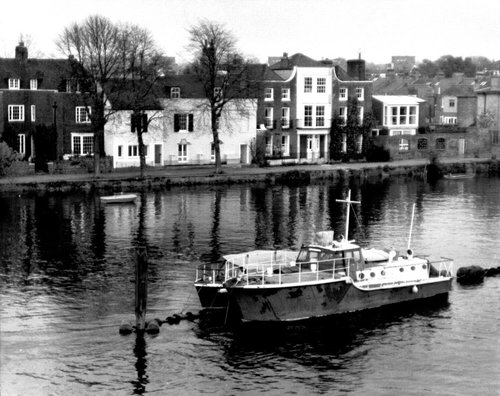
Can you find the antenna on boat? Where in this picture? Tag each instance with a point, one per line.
(348, 202)
(411, 226)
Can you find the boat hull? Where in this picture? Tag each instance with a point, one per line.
(117, 199)
(301, 302)
(212, 296)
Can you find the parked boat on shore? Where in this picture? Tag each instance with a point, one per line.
(325, 278)
(119, 198)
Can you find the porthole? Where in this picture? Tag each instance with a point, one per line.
(401, 269)
(382, 273)
(424, 266)
(413, 268)
(372, 274)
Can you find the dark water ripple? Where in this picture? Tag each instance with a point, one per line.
(67, 267)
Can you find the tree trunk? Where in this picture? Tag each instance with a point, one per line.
(97, 152)
(215, 133)
(142, 157)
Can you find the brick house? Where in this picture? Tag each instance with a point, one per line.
(41, 111)
(488, 110)
(319, 92)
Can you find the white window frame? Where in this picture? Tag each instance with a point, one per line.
(404, 144)
(120, 151)
(82, 114)
(14, 83)
(319, 117)
(16, 113)
(321, 84)
(396, 117)
(360, 93)
(182, 152)
(285, 145)
(21, 143)
(133, 150)
(269, 145)
(360, 114)
(343, 114)
(308, 84)
(343, 92)
(449, 120)
(268, 94)
(308, 116)
(269, 117)
(285, 117)
(81, 137)
(33, 113)
(34, 84)
(359, 143)
(285, 93)
(175, 93)
(451, 102)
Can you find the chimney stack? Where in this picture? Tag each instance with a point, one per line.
(21, 52)
(356, 69)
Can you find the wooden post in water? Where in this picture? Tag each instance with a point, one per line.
(141, 287)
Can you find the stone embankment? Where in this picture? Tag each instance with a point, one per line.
(158, 179)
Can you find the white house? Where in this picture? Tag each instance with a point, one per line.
(400, 114)
(314, 110)
(181, 133)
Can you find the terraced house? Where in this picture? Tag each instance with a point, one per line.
(41, 110)
(297, 121)
(179, 131)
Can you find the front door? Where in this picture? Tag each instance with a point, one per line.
(461, 147)
(243, 154)
(157, 154)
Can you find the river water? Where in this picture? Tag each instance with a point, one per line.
(67, 270)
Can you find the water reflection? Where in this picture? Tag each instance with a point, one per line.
(322, 350)
(141, 365)
(68, 259)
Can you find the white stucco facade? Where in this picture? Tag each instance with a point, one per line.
(314, 111)
(181, 134)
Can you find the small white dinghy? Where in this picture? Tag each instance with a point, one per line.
(119, 198)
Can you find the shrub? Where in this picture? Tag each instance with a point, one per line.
(7, 157)
(378, 154)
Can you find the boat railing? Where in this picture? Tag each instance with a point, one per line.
(291, 272)
(442, 267)
(210, 274)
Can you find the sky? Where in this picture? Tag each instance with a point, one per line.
(378, 29)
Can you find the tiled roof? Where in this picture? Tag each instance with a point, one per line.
(390, 86)
(299, 60)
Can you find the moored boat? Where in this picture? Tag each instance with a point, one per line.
(210, 278)
(119, 198)
(333, 277)
(458, 176)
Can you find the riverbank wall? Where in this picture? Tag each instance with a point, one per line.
(155, 179)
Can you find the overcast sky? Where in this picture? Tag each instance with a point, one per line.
(316, 28)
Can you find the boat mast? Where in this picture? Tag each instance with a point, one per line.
(348, 202)
(411, 226)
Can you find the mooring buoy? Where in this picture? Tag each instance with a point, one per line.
(470, 275)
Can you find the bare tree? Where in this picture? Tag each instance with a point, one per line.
(95, 47)
(142, 65)
(117, 66)
(221, 70)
